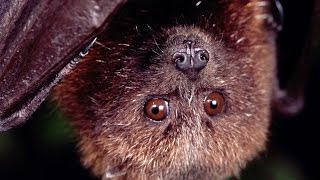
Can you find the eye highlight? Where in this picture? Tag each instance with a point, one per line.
(213, 103)
(156, 109)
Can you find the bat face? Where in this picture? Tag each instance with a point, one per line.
(169, 98)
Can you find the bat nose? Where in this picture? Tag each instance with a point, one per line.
(190, 59)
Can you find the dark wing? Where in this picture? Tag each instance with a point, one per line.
(37, 41)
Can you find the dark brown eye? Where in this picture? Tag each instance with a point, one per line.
(156, 109)
(213, 103)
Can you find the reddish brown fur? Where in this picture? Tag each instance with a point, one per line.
(105, 95)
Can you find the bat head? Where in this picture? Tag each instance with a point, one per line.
(180, 102)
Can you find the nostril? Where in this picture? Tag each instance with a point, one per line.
(203, 55)
(181, 60)
(201, 59)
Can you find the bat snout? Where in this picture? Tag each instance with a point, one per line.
(190, 59)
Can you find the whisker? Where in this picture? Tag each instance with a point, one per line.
(102, 45)
(156, 52)
(157, 44)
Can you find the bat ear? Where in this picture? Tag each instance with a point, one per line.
(276, 20)
(272, 14)
(295, 59)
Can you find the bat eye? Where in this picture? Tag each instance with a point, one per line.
(213, 103)
(156, 109)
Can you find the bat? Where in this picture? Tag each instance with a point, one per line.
(181, 95)
(126, 166)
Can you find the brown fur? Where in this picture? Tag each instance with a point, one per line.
(105, 95)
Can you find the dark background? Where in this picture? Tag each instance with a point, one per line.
(44, 147)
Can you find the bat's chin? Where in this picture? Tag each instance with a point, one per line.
(185, 171)
(179, 159)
